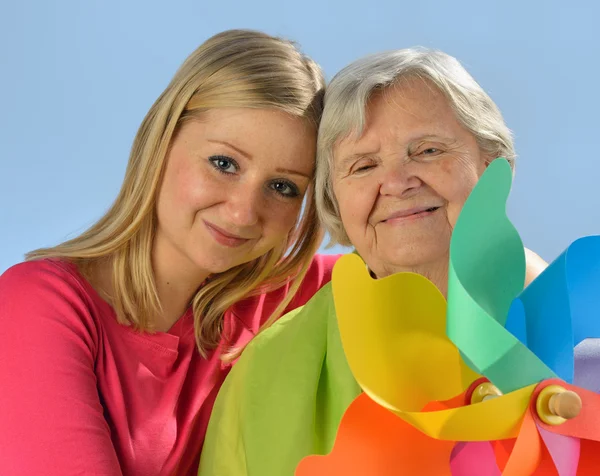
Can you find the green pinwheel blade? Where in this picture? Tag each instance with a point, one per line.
(486, 272)
(285, 397)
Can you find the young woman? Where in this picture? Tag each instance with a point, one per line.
(111, 344)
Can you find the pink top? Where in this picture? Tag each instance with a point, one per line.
(82, 394)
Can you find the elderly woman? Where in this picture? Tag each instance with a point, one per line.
(404, 138)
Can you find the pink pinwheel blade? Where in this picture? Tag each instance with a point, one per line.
(473, 459)
(564, 451)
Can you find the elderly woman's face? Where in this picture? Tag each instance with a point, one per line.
(401, 185)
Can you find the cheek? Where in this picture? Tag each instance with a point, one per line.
(168, 197)
(184, 192)
(282, 217)
(176, 183)
(195, 188)
(456, 180)
(355, 202)
(193, 196)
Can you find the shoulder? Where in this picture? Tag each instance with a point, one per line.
(299, 319)
(45, 277)
(318, 274)
(323, 264)
(534, 266)
(295, 337)
(46, 295)
(37, 270)
(252, 312)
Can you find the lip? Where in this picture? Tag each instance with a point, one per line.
(224, 238)
(411, 214)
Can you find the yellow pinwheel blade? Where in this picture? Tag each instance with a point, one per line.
(393, 332)
(495, 419)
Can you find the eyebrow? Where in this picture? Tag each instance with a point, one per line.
(351, 158)
(432, 137)
(237, 149)
(346, 161)
(293, 172)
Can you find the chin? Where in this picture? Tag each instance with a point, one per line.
(417, 257)
(214, 266)
(217, 266)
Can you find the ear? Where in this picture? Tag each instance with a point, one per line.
(487, 160)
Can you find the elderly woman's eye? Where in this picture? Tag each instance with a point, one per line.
(361, 168)
(428, 153)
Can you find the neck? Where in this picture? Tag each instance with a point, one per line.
(175, 285)
(177, 279)
(436, 272)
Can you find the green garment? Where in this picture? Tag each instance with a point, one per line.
(284, 399)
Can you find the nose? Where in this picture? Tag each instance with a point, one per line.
(243, 206)
(399, 179)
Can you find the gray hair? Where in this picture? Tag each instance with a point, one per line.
(347, 96)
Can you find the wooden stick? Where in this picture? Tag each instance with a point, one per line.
(565, 404)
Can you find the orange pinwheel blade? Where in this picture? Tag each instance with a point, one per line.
(372, 440)
(526, 453)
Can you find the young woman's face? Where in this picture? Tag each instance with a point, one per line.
(232, 187)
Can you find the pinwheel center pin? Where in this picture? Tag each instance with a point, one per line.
(484, 391)
(555, 405)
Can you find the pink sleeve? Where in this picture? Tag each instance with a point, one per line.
(51, 418)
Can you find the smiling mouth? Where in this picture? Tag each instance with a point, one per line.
(432, 209)
(224, 238)
(411, 215)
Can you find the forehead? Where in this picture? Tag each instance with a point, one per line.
(237, 120)
(402, 112)
(269, 137)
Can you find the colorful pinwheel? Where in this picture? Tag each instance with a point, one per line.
(481, 384)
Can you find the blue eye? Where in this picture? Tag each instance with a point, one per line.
(224, 164)
(285, 188)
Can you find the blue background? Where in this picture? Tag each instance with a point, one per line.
(78, 77)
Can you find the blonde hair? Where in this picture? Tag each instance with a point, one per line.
(346, 101)
(236, 68)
